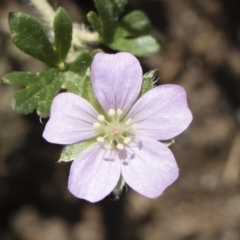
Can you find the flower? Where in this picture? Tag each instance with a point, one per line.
(127, 134)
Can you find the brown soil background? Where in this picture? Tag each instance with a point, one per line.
(200, 51)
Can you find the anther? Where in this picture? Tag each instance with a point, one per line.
(101, 118)
(100, 139)
(108, 147)
(134, 126)
(120, 146)
(129, 121)
(119, 112)
(111, 112)
(96, 125)
(127, 140)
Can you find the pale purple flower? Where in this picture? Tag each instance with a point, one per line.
(127, 134)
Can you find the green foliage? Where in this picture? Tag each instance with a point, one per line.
(131, 34)
(72, 82)
(106, 22)
(82, 86)
(148, 82)
(63, 33)
(70, 152)
(39, 91)
(95, 22)
(78, 77)
(136, 23)
(139, 46)
(88, 93)
(28, 36)
(81, 64)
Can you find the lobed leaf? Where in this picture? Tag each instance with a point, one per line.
(28, 36)
(72, 82)
(77, 78)
(40, 89)
(82, 63)
(21, 79)
(82, 86)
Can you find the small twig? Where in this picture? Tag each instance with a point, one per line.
(81, 36)
(45, 10)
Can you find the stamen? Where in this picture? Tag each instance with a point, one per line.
(113, 131)
(134, 126)
(96, 125)
(120, 146)
(101, 118)
(100, 139)
(119, 112)
(108, 147)
(111, 112)
(127, 140)
(128, 122)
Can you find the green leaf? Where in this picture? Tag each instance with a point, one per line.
(72, 82)
(82, 86)
(109, 11)
(28, 35)
(148, 82)
(70, 152)
(81, 64)
(63, 33)
(78, 71)
(134, 24)
(21, 79)
(130, 34)
(39, 91)
(77, 78)
(95, 22)
(140, 46)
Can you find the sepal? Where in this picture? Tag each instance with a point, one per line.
(148, 82)
(70, 152)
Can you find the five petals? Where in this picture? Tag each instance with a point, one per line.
(146, 165)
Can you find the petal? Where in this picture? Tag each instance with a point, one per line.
(71, 120)
(162, 113)
(150, 167)
(94, 173)
(116, 79)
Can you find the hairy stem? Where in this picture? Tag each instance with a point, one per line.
(45, 10)
(80, 37)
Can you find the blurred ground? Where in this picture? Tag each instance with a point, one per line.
(200, 51)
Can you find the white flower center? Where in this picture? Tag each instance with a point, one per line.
(115, 132)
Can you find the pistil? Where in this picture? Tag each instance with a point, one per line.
(114, 131)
